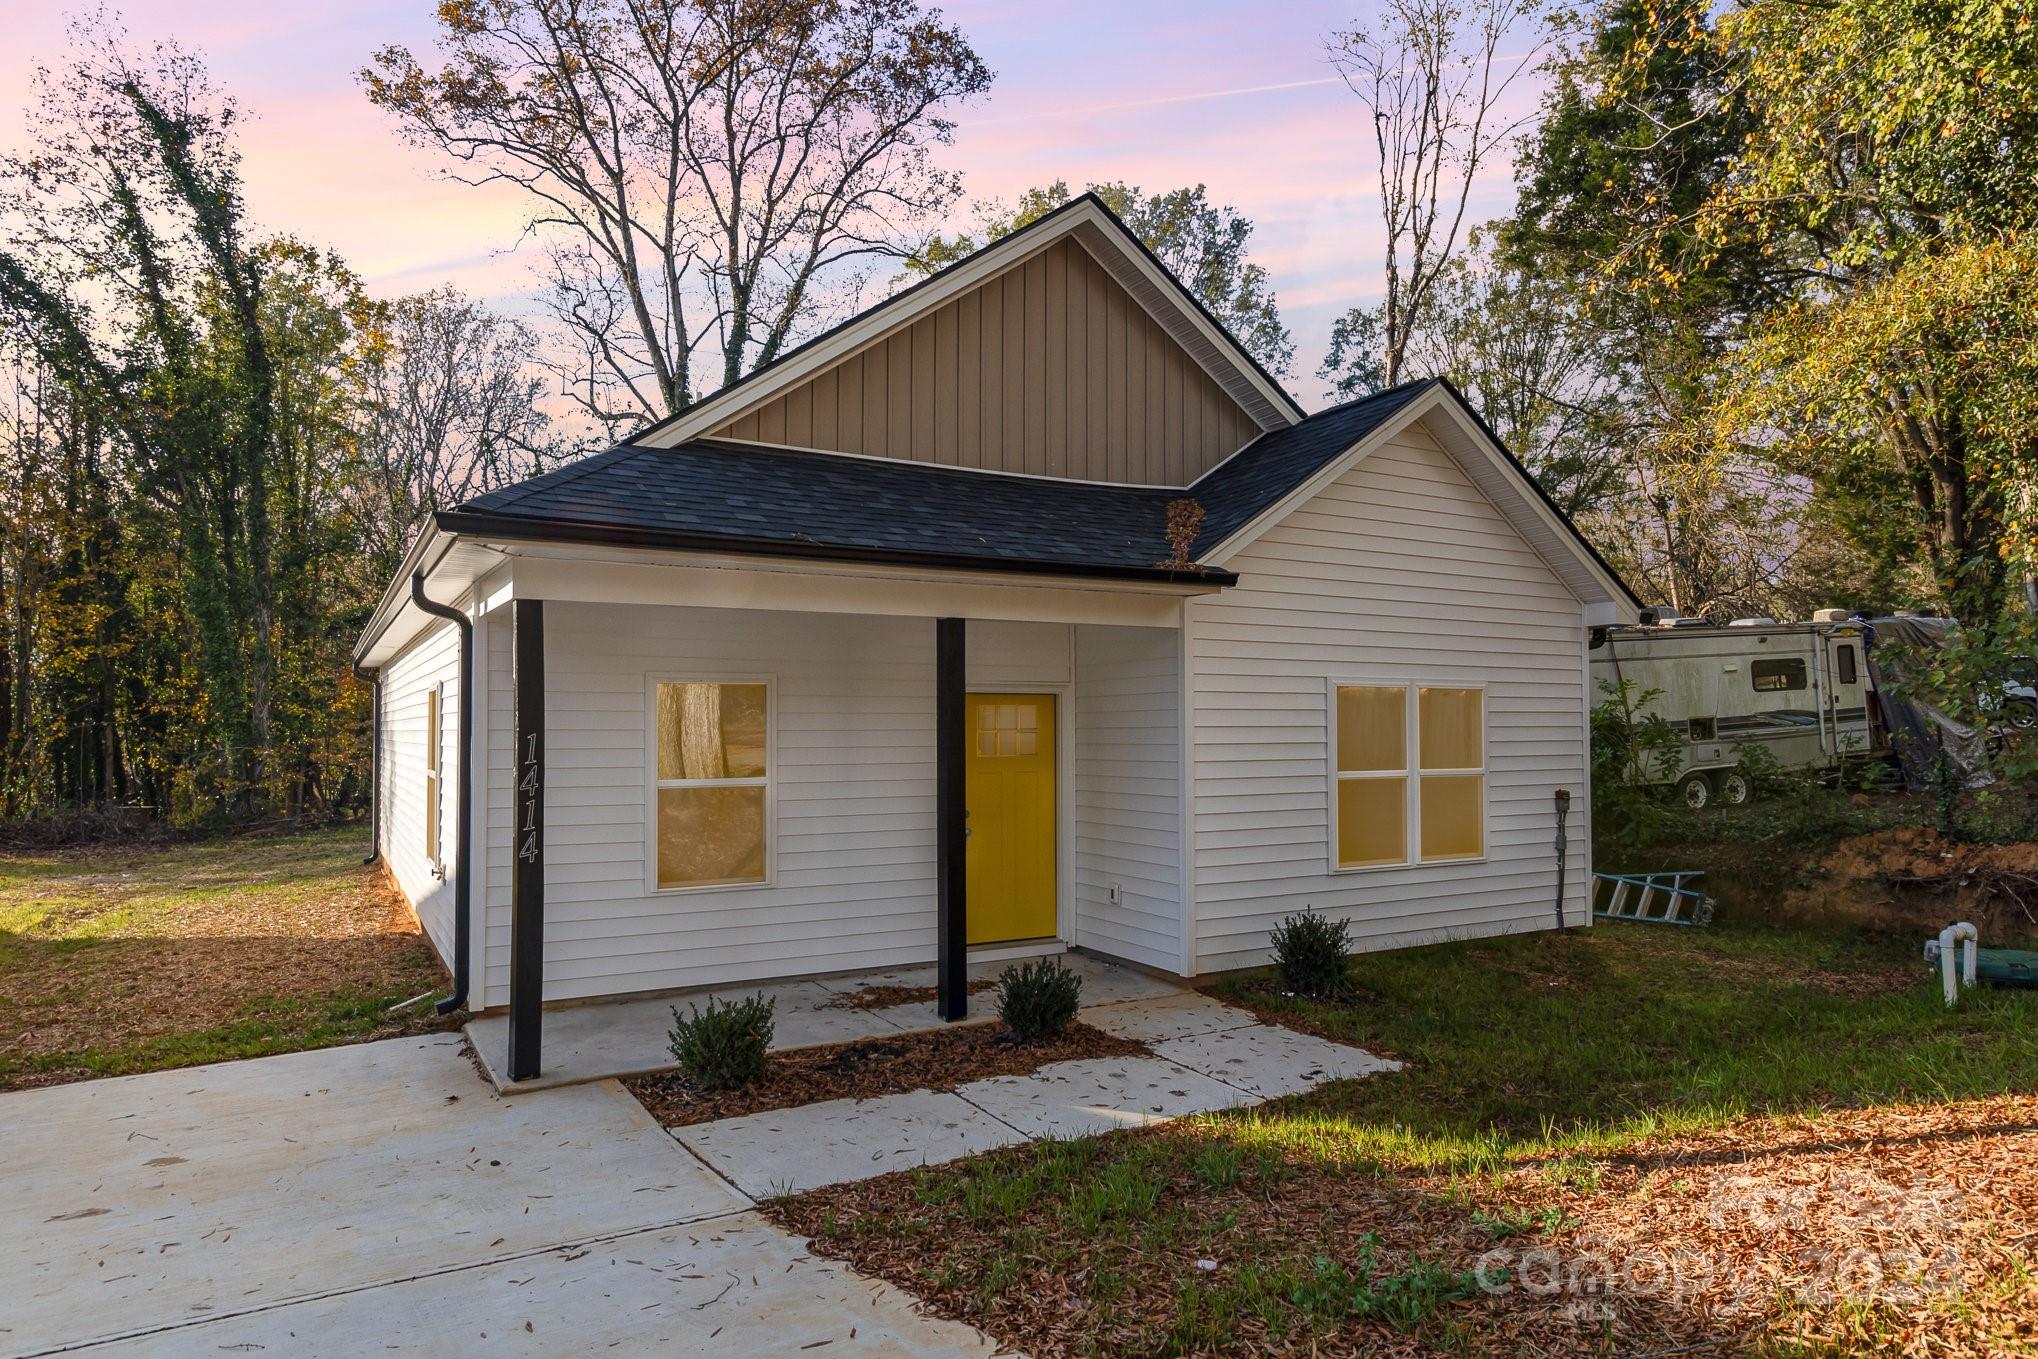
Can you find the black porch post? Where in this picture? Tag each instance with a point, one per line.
(527, 871)
(951, 820)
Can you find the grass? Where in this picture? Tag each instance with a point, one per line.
(121, 960)
(1548, 1043)
(1617, 1092)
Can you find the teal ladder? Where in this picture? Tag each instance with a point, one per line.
(1656, 898)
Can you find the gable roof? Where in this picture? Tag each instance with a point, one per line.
(1124, 256)
(717, 496)
(740, 499)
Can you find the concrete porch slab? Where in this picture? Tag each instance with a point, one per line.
(628, 1038)
(1074, 1099)
(788, 1150)
(1267, 1061)
(735, 1286)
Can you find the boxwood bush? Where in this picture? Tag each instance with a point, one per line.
(1038, 999)
(723, 1046)
(1313, 953)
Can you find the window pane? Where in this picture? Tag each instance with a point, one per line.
(1452, 807)
(711, 731)
(1768, 676)
(710, 835)
(1371, 729)
(1372, 821)
(1451, 727)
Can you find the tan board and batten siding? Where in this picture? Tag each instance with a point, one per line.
(432, 659)
(1400, 570)
(1049, 368)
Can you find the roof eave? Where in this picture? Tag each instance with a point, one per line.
(482, 524)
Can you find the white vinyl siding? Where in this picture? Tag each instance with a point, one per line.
(1398, 572)
(431, 662)
(853, 752)
(1128, 819)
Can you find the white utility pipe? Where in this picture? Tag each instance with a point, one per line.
(1942, 948)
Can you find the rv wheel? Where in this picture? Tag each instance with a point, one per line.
(1694, 790)
(1733, 789)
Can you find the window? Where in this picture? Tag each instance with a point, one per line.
(435, 744)
(1848, 674)
(1771, 676)
(713, 783)
(1411, 767)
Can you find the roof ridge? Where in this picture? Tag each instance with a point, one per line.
(1411, 385)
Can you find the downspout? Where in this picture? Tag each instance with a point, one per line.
(374, 681)
(464, 836)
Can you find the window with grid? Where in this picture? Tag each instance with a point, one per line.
(1411, 774)
(435, 706)
(713, 786)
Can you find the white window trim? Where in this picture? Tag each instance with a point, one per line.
(1411, 770)
(652, 783)
(435, 778)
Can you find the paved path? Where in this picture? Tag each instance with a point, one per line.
(1206, 1056)
(381, 1199)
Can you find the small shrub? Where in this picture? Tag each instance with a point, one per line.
(723, 1046)
(1314, 955)
(1038, 999)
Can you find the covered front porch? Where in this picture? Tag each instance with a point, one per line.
(601, 1039)
(708, 775)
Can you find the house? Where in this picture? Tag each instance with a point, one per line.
(885, 655)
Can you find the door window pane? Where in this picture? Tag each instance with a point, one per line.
(711, 731)
(1453, 814)
(1371, 728)
(710, 836)
(1372, 821)
(1451, 729)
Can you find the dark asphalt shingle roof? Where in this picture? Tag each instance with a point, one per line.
(711, 495)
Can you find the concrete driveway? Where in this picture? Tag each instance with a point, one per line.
(381, 1199)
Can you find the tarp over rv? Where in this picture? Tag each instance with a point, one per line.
(1918, 732)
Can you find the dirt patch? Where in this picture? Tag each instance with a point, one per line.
(940, 1059)
(105, 953)
(884, 997)
(1914, 878)
(1901, 1230)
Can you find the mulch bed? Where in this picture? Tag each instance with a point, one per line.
(1901, 1230)
(883, 997)
(940, 1059)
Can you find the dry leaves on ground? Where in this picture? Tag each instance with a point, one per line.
(939, 1059)
(1901, 1230)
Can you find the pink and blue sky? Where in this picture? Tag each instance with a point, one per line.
(1235, 95)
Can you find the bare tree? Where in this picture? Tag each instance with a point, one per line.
(1436, 79)
(704, 173)
(449, 397)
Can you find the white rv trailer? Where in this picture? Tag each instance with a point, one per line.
(1800, 690)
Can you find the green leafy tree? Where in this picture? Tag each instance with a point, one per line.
(1201, 243)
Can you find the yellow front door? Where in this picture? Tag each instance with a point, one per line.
(1011, 817)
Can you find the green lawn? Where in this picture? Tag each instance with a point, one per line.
(1621, 1090)
(126, 959)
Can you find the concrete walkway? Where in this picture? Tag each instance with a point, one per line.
(629, 1037)
(381, 1199)
(1207, 1056)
